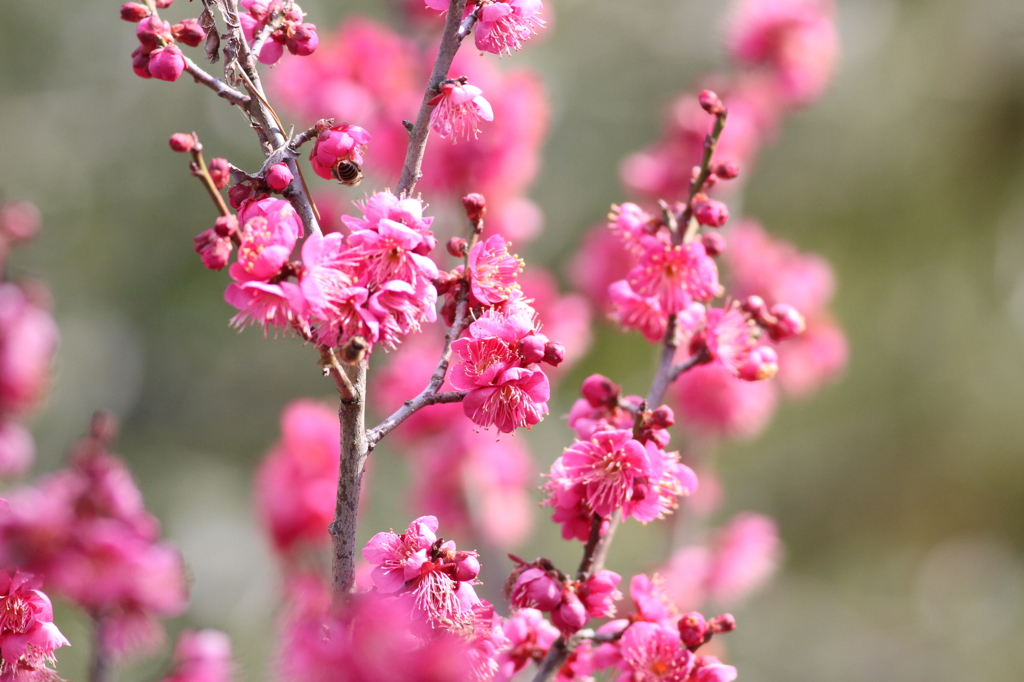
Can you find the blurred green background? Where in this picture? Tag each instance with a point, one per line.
(899, 490)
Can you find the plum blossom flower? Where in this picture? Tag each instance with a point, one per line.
(458, 110)
(337, 145)
(653, 653)
(530, 636)
(493, 271)
(504, 26)
(202, 656)
(676, 275)
(28, 635)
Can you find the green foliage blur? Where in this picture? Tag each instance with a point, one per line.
(899, 490)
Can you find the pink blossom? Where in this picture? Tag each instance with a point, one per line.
(632, 225)
(745, 555)
(296, 483)
(397, 558)
(710, 669)
(166, 63)
(534, 586)
(730, 336)
(504, 25)
(713, 402)
(28, 340)
(518, 400)
(17, 449)
(270, 229)
(599, 595)
(202, 656)
(795, 39)
(652, 602)
(337, 145)
(458, 110)
(530, 636)
(28, 636)
(643, 313)
(300, 38)
(653, 653)
(615, 470)
(676, 275)
(493, 270)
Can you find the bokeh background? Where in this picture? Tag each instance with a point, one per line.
(899, 490)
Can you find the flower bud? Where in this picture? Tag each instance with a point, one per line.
(140, 62)
(166, 63)
(182, 142)
(710, 103)
(304, 41)
(571, 614)
(531, 348)
(710, 212)
(467, 566)
(220, 172)
(163, 4)
(714, 243)
(153, 33)
(134, 12)
(214, 251)
(755, 307)
(692, 629)
(788, 322)
(761, 364)
(600, 391)
(662, 418)
(535, 588)
(475, 205)
(189, 32)
(723, 623)
(727, 170)
(278, 177)
(20, 221)
(239, 194)
(226, 226)
(457, 247)
(554, 353)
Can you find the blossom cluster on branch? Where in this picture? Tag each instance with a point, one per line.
(477, 343)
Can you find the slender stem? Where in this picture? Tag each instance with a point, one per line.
(200, 170)
(99, 668)
(710, 144)
(455, 30)
(354, 449)
(662, 378)
(698, 359)
(215, 84)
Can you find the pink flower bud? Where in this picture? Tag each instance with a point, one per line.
(531, 348)
(761, 364)
(600, 391)
(278, 177)
(17, 449)
(535, 588)
(304, 41)
(467, 567)
(140, 62)
(723, 623)
(662, 418)
(710, 103)
(220, 172)
(554, 353)
(475, 205)
(134, 12)
(226, 226)
(189, 32)
(755, 307)
(727, 170)
(153, 33)
(163, 4)
(692, 629)
(213, 250)
(182, 142)
(166, 63)
(788, 322)
(457, 247)
(20, 220)
(710, 212)
(571, 614)
(714, 243)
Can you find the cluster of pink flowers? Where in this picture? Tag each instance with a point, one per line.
(85, 530)
(28, 341)
(502, 25)
(28, 636)
(376, 283)
(284, 20)
(613, 469)
(370, 75)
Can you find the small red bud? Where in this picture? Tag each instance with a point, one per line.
(189, 32)
(755, 307)
(226, 226)
(134, 12)
(662, 418)
(457, 247)
(711, 213)
(727, 170)
(532, 348)
(711, 181)
(476, 206)
(182, 142)
(220, 171)
(788, 322)
(710, 103)
(600, 390)
(163, 4)
(714, 243)
(238, 194)
(692, 628)
(278, 177)
(554, 353)
(722, 623)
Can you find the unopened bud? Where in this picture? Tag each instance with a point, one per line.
(755, 307)
(226, 226)
(714, 243)
(662, 418)
(532, 348)
(600, 391)
(554, 353)
(20, 221)
(571, 614)
(710, 103)
(475, 205)
(727, 170)
(710, 212)
(182, 142)
(692, 629)
(723, 623)
(761, 364)
(134, 12)
(457, 247)
(278, 177)
(467, 566)
(220, 172)
(788, 322)
(162, 4)
(189, 32)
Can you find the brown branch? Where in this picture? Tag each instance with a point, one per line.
(354, 450)
(100, 666)
(337, 371)
(710, 144)
(700, 358)
(200, 170)
(455, 31)
(215, 84)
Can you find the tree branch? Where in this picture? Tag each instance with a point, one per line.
(354, 449)
(217, 85)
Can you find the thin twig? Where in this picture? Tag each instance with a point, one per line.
(333, 367)
(200, 170)
(700, 358)
(455, 31)
(215, 84)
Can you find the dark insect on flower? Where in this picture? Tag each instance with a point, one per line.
(348, 173)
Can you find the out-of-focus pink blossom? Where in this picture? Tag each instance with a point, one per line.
(202, 656)
(28, 636)
(745, 555)
(710, 669)
(28, 340)
(712, 401)
(530, 636)
(796, 40)
(296, 483)
(597, 264)
(17, 449)
(20, 221)
(817, 355)
(458, 110)
(642, 313)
